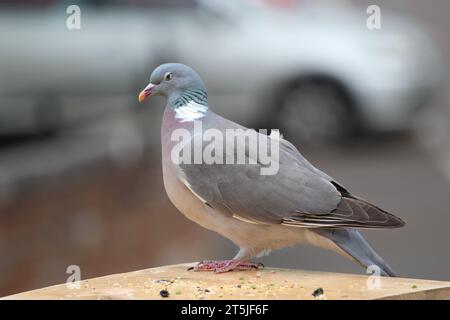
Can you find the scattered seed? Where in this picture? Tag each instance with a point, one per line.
(414, 286)
(178, 292)
(164, 293)
(162, 281)
(318, 292)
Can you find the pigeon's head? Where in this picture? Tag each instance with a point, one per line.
(171, 80)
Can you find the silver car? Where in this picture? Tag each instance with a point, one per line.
(316, 71)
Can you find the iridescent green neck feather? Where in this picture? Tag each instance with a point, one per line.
(191, 105)
(198, 96)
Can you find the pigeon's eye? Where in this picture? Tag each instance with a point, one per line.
(168, 76)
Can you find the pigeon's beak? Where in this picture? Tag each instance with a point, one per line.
(146, 92)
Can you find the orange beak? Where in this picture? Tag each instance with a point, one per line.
(146, 92)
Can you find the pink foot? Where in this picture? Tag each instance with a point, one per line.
(220, 266)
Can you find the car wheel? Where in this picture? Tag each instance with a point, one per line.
(48, 116)
(316, 111)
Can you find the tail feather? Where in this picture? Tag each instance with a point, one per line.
(352, 243)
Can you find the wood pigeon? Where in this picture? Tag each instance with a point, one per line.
(258, 212)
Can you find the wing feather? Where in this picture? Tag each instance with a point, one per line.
(297, 195)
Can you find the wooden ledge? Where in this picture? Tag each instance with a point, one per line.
(266, 283)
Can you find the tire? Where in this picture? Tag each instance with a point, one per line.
(48, 116)
(316, 111)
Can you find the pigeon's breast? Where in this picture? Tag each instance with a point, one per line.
(177, 192)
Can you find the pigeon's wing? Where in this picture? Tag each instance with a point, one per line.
(297, 195)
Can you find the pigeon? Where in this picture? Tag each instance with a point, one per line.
(296, 204)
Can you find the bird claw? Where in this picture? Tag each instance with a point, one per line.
(220, 266)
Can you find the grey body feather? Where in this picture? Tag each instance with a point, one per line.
(258, 212)
(353, 243)
(298, 194)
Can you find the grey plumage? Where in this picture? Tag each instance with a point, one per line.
(258, 212)
(353, 244)
(298, 195)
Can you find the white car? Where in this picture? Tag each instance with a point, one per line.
(316, 71)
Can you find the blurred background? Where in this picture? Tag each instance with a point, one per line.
(80, 168)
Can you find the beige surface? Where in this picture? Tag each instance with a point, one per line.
(266, 283)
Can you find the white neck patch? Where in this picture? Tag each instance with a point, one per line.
(190, 111)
